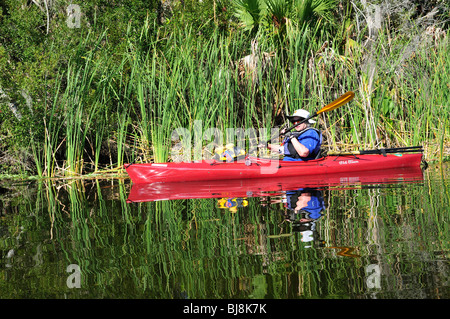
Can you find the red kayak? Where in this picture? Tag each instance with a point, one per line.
(256, 168)
(270, 186)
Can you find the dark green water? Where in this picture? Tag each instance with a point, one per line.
(83, 240)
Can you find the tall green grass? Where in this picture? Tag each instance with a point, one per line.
(115, 107)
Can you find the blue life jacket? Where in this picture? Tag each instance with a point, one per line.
(311, 138)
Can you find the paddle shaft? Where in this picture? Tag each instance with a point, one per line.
(343, 99)
(290, 128)
(411, 149)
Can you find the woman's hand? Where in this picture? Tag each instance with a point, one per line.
(263, 145)
(292, 134)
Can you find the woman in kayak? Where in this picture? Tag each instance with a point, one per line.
(303, 144)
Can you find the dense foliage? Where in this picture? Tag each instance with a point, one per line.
(80, 97)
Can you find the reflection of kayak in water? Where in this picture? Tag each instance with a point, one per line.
(268, 186)
(253, 168)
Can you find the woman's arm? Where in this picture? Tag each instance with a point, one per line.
(301, 149)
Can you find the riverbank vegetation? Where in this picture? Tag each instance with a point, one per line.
(88, 88)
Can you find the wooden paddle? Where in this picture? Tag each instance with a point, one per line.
(344, 99)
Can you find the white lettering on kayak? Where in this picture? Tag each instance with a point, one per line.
(162, 165)
(348, 162)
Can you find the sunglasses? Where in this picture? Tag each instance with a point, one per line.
(297, 122)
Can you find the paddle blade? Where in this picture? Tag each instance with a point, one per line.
(344, 99)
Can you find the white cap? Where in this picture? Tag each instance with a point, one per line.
(300, 113)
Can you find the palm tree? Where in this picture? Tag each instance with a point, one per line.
(256, 13)
(276, 18)
(275, 15)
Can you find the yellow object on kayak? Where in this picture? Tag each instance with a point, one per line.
(228, 153)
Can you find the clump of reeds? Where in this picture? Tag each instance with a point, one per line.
(109, 108)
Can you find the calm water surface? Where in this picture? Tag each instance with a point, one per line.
(76, 239)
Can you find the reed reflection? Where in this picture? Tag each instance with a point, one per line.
(225, 240)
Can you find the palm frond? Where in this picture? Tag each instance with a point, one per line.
(250, 12)
(279, 10)
(324, 8)
(307, 10)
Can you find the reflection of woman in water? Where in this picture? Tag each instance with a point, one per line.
(304, 207)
